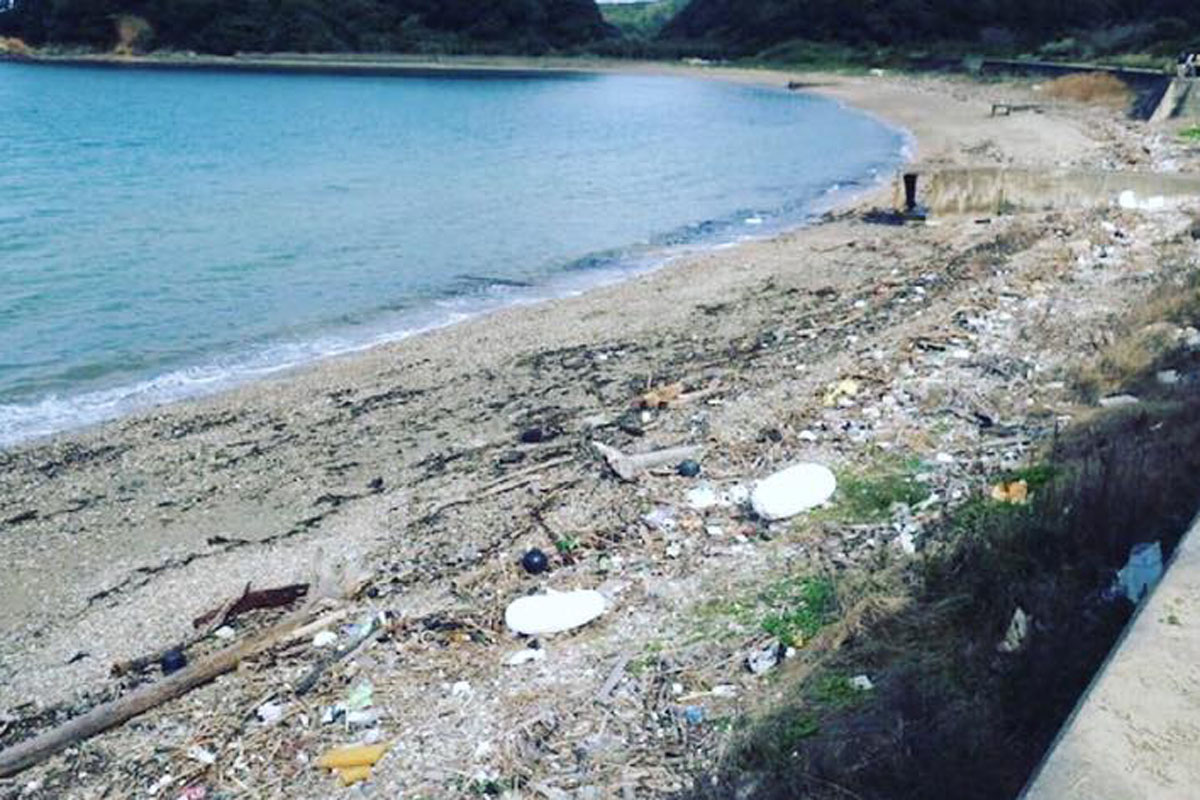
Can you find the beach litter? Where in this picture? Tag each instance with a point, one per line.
(1018, 632)
(629, 467)
(861, 683)
(662, 518)
(766, 658)
(325, 639)
(702, 498)
(352, 763)
(535, 562)
(526, 656)
(688, 468)
(554, 612)
(172, 661)
(793, 491)
(840, 391)
(1013, 492)
(1142, 572)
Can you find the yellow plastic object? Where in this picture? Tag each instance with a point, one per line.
(352, 775)
(843, 388)
(1016, 492)
(359, 755)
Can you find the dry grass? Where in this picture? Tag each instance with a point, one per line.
(1093, 88)
(133, 34)
(1145, 342)
(13, 46)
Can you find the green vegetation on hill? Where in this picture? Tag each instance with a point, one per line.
(228, 26)
(642, 20)
(1064, 28)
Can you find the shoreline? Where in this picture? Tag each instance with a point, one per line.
(99, 407)
(365, 459)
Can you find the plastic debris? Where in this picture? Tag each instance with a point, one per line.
(861, 683)
(662, 519)
(1168, 377)
(661, 396)
(173, 661)
(766, 658)
(794, 490)
(362, 719)
(526, 656)
(1142, 572)
(325, 639)
(694, 715)
(202, 755)
(360, 697)
(1018, 632)
(353, 756)
(1014, 492)
(1118, 401)
(688, 468)
(269, 713)
(352, 775)
(554, 612)
(736, 495)
(842, 390)
(224, 633)
(536, 436)
(702, 498)
(535, 562)
(352, 764)
(193, 793)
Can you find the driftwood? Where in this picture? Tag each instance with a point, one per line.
(247, 601)
(628, 467)
(514, 480)
(26, 754)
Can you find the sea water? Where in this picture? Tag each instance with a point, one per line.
(169, 233)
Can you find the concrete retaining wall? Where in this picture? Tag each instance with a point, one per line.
(995, 190)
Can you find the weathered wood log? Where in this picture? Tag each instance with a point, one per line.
(29, 753)
(628, 467)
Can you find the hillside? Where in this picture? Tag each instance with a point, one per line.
(228, 26)
(642, 19)
(739, 28)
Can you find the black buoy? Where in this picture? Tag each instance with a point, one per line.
(173, 661)
(535, 562)
(688, 469)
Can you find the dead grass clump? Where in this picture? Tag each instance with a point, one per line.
(134, 35)
(12, 46)
(1149, 343)
(1094, 88)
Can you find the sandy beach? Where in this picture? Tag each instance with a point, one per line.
(115, 538)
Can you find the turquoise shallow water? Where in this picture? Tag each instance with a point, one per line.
(165, 234)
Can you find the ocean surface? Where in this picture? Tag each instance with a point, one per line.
(168, 234)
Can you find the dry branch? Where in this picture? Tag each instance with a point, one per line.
(628, 467)
(26, 754)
